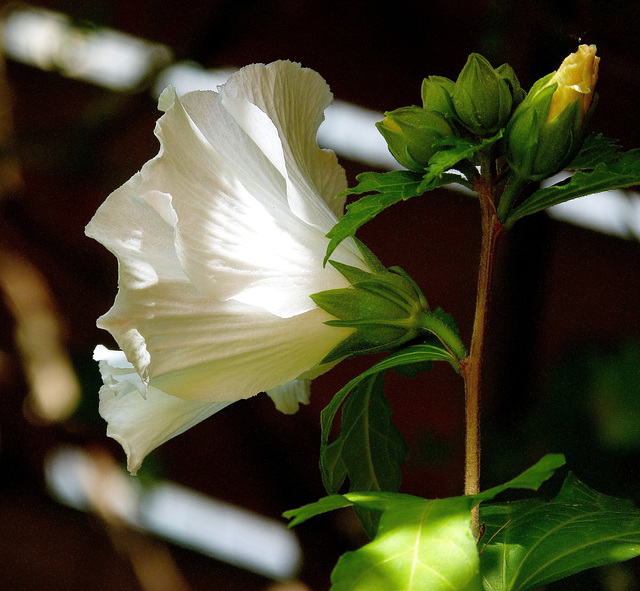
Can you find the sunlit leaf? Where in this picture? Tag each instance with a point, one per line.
(539, 542)
(324, 505)
(420, 543)
(424, 544)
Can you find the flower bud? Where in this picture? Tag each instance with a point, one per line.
(482, 97)
(517, 92)
(546, 130)
(410, 133)
(385, 308)
(437, 94)
(576, 78)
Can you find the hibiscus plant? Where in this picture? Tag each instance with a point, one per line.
(239, 273)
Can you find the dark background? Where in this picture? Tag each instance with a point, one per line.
(566, 304)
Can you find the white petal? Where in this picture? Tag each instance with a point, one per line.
(203, 349)
(289, 396)
(141, 424)
(294, 100)
(235, 234)
(157, 300)
(135, 229)
(220, 241)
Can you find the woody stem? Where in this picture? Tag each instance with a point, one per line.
(492, 229)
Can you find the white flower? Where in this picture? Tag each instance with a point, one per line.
(220, 240)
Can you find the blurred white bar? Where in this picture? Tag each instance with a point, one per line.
(177, 514)
(49, 40)
(612, 212)
(226, 532)
(350, 131)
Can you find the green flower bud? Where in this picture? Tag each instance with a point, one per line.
(517, 92)
(482, 98)
(410, 133)
(437, 92)
(546, 130)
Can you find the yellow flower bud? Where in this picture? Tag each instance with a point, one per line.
(547, 129)
(576, 78)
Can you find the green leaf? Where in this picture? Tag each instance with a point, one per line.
(388, 188)
(432, 351)
(544, 542)
(324, 505)
(370, 448)
(452, 151)
(595, 148)
(400, 183)
(337, 461)
(619, 171)
(420, 543)
(367, 427)
(531, 478)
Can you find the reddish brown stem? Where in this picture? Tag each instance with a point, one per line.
(472, 371)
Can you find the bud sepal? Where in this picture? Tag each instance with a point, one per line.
(508, 74)
(386, 308)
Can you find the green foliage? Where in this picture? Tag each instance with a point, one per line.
(611, 170)
(453, 151)
(537, 543)
(369, 448)
(428, 544)
(420, 543)
(388, 188)
(424, 544)
(595, 148)
(407, 357)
